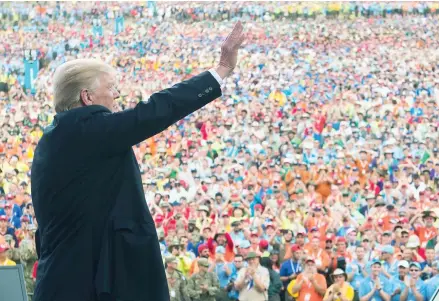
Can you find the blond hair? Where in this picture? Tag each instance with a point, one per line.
(74, 76)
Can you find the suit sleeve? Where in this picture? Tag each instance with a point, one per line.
(37, 243)
(112, 133)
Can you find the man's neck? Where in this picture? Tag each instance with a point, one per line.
(373, 276)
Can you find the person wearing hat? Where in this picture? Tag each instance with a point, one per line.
(253, 281)
(175, 248)
(4, 256)
(375, 287)
(292, 267)
(390, 264)
(222, 270)
(243, 248)
(425, 228)
(6, 231)
(398, 280)
(237, 234)
(275, 285)
(341, 290)
(221, 238)
(415, 288)
(203, 285)
(176, 279)
(203, 252)
(309, 285)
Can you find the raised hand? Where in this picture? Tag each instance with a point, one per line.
(229, 50)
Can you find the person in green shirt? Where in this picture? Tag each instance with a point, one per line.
(275, 286)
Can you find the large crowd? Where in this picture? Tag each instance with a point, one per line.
(314, 177)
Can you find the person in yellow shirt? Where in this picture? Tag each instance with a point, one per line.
(4, 260)
(340, 290)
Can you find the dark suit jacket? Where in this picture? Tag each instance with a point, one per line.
(97, 237)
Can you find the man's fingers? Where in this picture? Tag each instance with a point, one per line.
(240, 40)
(237, 29)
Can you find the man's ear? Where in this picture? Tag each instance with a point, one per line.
(85, 98)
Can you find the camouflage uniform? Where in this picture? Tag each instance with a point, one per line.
(176, 282)
(203, 278)
(26, 255)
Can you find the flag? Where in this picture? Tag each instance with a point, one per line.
(425, 157)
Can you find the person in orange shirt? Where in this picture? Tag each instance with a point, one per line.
(425, 229)
(318, 220)
(391, 219)
(310, 285)
(340, 252)
(318, 254)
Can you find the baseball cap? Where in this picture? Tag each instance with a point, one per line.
(415, 264)
(3, 248)
(388, 249)
(404, 264)
(295, 248)
(376, 261)
(245, 244)
(171, 259)
(203, 262)
(263, 244)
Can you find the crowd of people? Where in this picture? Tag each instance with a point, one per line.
(314, 177)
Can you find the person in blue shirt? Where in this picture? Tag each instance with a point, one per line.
(221, 268)
(13, 212)
(390, 264)
(292, 267)
(375, 287)
(432, 284)
(397, 281)
(356, 270)
(415, 289)
(237, 234)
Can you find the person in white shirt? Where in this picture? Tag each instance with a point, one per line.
(253, 280)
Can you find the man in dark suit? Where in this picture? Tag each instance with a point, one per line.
(96, 237)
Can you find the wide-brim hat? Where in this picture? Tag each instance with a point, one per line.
(338, 272)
